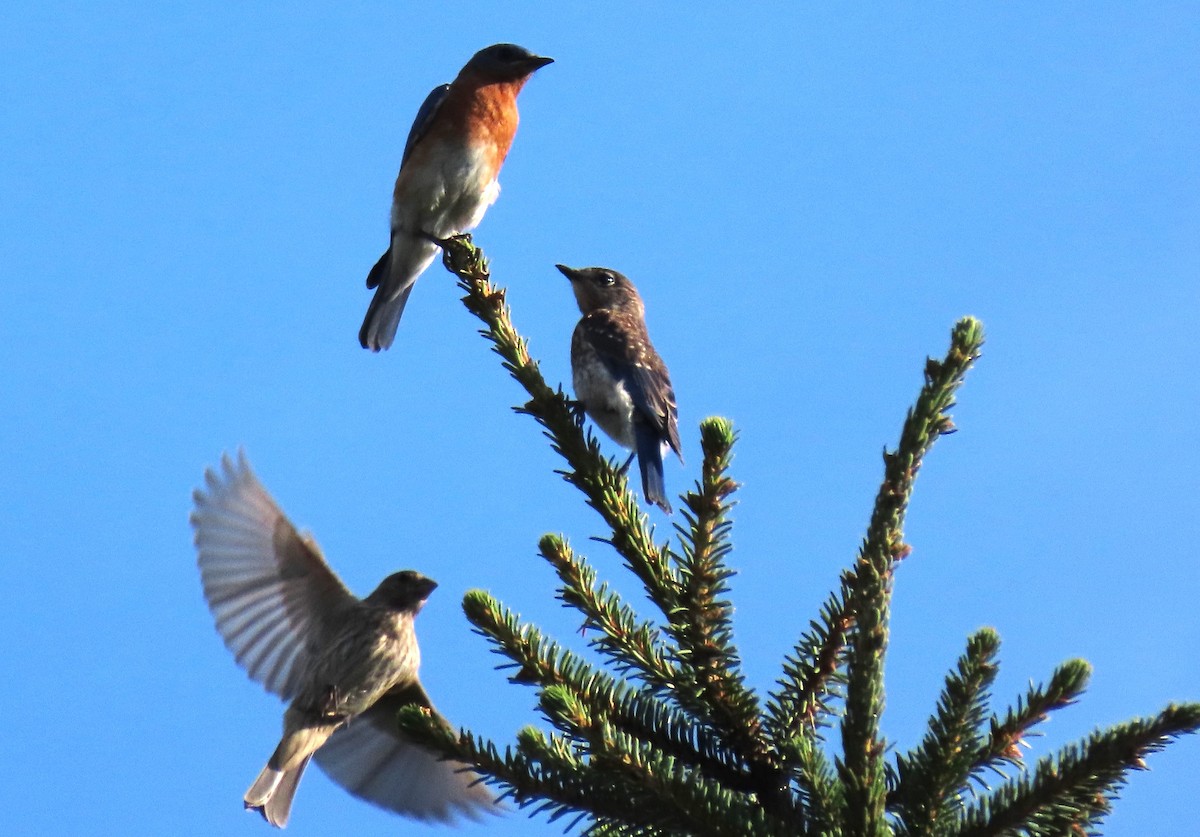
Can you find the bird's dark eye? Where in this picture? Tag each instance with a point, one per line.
(607, 279)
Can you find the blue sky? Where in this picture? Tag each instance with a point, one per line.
(807, 200)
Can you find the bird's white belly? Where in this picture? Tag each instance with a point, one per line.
(449, 194)
(606, 401)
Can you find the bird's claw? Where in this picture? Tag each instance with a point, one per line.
(576, 407)
(444, 243)
(329, 703)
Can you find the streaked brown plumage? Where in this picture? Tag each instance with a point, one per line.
(618, 376)
(346, 665)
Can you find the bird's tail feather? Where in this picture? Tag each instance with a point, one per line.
(273, 791)
(393, 277)
(650, 462)
(383, 318)
(380, 271)
(264, 786)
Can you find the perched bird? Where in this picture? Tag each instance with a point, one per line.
(619, 378)
(448, 173)
(345, 664)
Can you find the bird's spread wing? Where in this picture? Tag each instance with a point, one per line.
(424, 117)
(623, 345)
(267, 586)
(369, 758)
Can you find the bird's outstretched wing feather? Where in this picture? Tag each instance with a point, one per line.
(372, 760)
(267, 585)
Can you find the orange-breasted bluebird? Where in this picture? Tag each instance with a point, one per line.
(619, 378)
(345, 664)
(448, 173)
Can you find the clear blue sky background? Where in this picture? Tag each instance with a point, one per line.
(192, 197)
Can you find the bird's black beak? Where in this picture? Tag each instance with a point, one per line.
(427, 586)
(536, 62)
(569, 272)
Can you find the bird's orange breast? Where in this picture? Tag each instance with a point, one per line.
(488, 114)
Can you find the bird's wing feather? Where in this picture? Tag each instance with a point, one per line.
(372, 760)
(625, 348)
(424, 118)
(267, 585)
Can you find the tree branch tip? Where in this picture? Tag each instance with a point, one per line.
(530, 734)
(1077, 673)
(477, 604)
(553, 542)
(718, 426)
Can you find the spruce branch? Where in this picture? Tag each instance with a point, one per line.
(1071, 791)
(633, 646)
(602, 483)
(543, 772)
(639, 647)
(812, 677)
(703, 625)
(934, 776)
(554, 755)
(1006, 737)
(579, 714)
(513, 772)
(537, 659)
(817, 787)
(636, 712)
(620, 783)
(861, 767)
(870, 583)
(680, 801)
(800, 709)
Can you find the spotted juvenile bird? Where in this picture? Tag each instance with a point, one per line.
(345, 664)
(619, 378)
(448, 172)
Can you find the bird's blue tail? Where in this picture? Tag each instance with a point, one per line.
(650, 462)
(383, 318)
(393, 277)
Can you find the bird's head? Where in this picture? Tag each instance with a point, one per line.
(505, 63)
(406, 590)
(600, 287)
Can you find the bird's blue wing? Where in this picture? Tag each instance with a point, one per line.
(424, 118)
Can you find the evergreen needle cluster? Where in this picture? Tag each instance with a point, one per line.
(664, 737)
